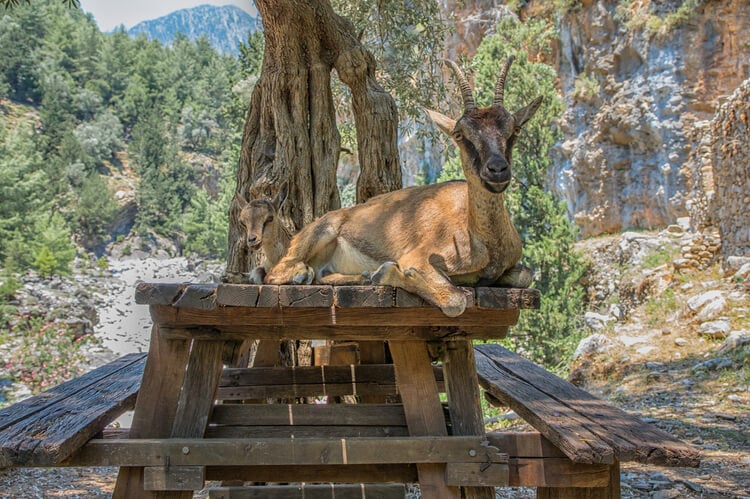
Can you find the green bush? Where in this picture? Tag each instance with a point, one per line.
(54, 249)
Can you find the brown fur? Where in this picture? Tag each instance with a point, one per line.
(425, 239)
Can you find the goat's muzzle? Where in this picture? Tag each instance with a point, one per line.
(253, 242)
(495, 173)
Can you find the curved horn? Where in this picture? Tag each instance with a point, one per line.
(464, 84)
(500, 86)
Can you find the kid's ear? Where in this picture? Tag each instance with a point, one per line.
(240, 200)
(443, 122)
(281, 195)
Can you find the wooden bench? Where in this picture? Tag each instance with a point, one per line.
(185, 433)
(47, 429)
(587, 430)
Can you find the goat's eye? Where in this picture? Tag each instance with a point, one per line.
(458, 136)
(269, 219)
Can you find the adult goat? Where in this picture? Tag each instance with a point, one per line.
(427, 239)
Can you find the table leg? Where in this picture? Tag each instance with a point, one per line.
(462, 385)
(194, 407)
(612, 491)
(156, 405)
(424, 413)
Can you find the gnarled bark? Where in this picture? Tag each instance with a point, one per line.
(290, 133)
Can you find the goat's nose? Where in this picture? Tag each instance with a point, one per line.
(252, 239)
(497, 164)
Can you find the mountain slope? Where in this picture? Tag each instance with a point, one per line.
(224, 27)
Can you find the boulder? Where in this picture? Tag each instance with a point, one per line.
(596, 343)
(715, 329)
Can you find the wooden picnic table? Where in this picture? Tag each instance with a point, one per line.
(192, 423)
(200, 328)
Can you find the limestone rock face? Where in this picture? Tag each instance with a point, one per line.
(634, 95)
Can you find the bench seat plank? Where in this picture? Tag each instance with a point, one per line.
(585, 428)
(311, 491)
(46, 429)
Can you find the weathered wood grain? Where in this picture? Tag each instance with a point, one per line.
(309, 414)
(586, 428)
(147, 293)
(156, 404)
(198, 297)
(311, 491)
(358, 473)
(364, 296)
(503, 298)
(48, 429)
(533, 462)
(419, 393)
(462, 387)
(296, 319)
(299, 431)
(159, 478)
(32, 405)
(477, 479)
(334, 332)
(264, 296)
(306, 296)
(247, 295)
(283, 451)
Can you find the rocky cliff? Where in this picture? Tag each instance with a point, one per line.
(639, 78)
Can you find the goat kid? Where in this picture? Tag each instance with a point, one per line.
(264, 231)
(428, 239)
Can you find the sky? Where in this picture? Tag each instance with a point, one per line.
(110, 14)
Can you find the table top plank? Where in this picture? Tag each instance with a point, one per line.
(213, 295)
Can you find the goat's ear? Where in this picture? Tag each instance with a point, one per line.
(281, 195)
(443, 122)
(523, 115)
(241, 201)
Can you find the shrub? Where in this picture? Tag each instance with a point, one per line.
(45, 353)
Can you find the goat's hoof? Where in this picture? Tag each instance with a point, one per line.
(519, 276)
(410, 272)
(305, 277)
(366, 277)
(257, 276)
(454, 307)
(384, 271)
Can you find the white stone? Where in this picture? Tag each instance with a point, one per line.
(715, 329)
(680, 342)
(699, 301)
(596, 343)
(596, 321)
(712, 310)
(743, 272)
(735, 340)
(733, 263)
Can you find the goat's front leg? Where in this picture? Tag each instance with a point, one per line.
(425, 281)
(314, 241)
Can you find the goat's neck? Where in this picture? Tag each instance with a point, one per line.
(275, 246)
(489, 220)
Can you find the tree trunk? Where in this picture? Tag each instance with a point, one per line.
(290, 133)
